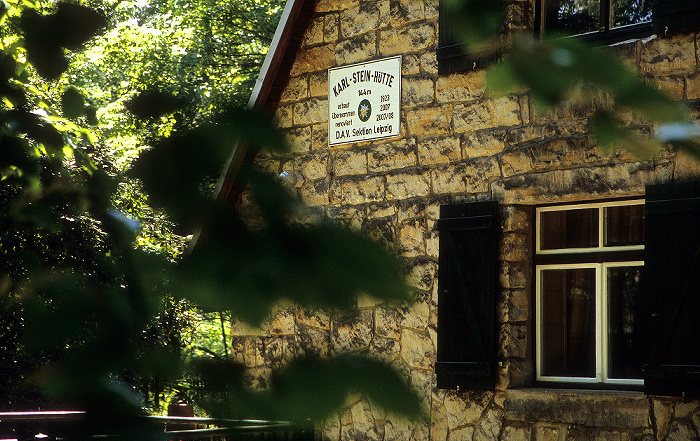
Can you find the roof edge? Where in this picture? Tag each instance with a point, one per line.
(275, 70)
(272, 57)
(273, 77)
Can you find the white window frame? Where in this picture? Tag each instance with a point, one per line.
(601, 319)
(601, 230)
(601, 294)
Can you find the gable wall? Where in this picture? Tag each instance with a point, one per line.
(457, 145)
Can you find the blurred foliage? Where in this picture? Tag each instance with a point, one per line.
(100, 319)
(307, 388)
(562, 70)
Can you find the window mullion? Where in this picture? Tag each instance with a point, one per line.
(601, 325)
(538, 239)
(605, 15)
(601, 227)
(539, 319)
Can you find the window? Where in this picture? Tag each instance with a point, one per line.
(595, 20)
(589, 261)
(617, 295)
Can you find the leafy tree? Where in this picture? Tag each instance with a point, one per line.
(162, 66)
(159, 67)
(86, 298)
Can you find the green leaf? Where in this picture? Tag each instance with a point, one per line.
(253, 127)
(383, 386)
(612, 137)
(269, 194)
(57, 311)
(151, 104)
(15, 152)
(72, 103)
(307, 389)
(38, 215)
(175, 171)
(43, 49)
(46, 35)
(73, 24)
(474, 22)
(502, 79)
(91, 117)
(22, 121)
(320, 265)
(534, 67)
(651, 103)
(589, 65)
(8, 67)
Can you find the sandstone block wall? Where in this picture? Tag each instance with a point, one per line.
(457, 144)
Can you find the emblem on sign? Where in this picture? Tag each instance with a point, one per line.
(364, 111)
(364, 101)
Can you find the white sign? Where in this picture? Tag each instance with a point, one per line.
(364, 101)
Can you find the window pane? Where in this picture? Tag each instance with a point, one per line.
(626, 12)
(568, 317)
(625, 354)
(624, 225)
(572, 16)
(569, 229)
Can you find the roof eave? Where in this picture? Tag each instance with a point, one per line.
(270, 84)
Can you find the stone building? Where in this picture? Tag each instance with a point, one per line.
(523, 240)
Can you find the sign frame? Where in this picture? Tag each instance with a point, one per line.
(364, 101)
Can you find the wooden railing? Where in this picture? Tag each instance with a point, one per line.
(67, 425)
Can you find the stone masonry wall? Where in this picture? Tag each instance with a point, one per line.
(457, 145)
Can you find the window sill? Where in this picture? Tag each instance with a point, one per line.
(587, 387)
(559, 389)
(624, 409)
(617, 35)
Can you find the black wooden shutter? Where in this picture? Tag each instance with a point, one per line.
(672, 289)
(452, 57)
(467, 287)
(670, 16)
